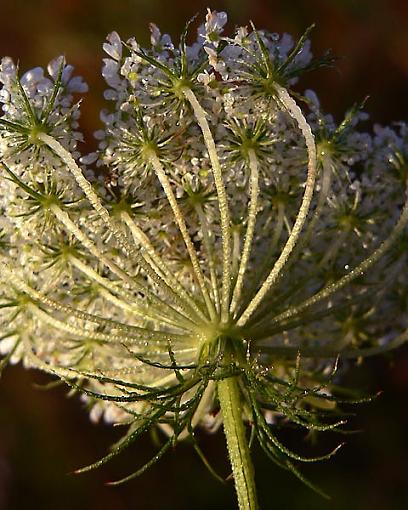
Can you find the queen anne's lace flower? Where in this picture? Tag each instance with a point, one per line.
(233, 249)
(38, 103)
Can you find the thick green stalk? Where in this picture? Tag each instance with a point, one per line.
(238, 449)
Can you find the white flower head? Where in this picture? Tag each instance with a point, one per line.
(37, 103)
(235, 242)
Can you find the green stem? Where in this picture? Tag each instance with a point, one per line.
(238, 449)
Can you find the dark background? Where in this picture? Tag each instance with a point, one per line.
(46, 435)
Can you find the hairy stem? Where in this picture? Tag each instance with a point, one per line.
(262, 272)
(200, 115)
(325, 185)
(238, 449)
(210, 254)
(252, 212)
(178, 215)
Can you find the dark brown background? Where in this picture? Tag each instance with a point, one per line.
(45, 435)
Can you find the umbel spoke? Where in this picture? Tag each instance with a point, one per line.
(296, 113)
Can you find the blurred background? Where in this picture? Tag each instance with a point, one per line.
(44, 435)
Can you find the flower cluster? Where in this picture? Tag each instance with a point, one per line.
(236, 247)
